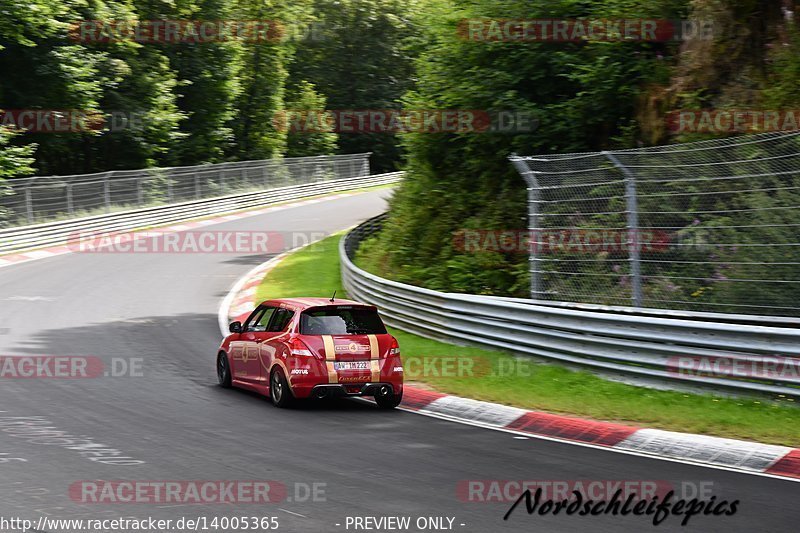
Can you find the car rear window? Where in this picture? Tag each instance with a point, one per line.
(341, 321)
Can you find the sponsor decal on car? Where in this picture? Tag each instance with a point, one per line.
(352, 379)
(352, 347)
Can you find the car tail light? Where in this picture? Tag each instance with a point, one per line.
(394, 349)
(298, 347)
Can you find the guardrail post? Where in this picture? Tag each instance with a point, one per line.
(139, 192)
(70, 206)
(107, 193)
(196, 186)
(533, 225)
(365, 164)
(632, 214)
(28, 204)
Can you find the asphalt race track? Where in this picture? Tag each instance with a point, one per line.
(162, 309)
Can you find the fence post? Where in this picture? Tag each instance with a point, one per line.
(28, 204)
(533, 224)
(632, 214)
(70, 206)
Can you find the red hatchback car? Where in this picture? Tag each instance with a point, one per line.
(296, 348)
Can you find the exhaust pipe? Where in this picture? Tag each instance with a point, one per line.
(321, 393)
(383, 391)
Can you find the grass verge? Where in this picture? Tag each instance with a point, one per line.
(500, 377)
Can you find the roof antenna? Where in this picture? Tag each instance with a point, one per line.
(332, 297)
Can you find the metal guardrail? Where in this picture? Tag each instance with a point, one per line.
(40, 199)
(55, 233)
(643, 345)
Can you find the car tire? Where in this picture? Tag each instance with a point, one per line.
(390, 401)
(223, 371)
(279, 389)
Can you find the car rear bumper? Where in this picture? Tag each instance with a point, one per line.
(308, 376)
(331, 390)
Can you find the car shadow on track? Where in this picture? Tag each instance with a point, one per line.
(352, 404)
(147, 353)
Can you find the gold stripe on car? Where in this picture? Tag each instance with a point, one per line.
(374, 358)
(330, 357)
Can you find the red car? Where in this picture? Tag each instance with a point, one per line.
(297, 348)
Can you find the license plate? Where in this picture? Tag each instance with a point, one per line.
(351, 365)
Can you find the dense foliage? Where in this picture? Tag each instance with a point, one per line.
(583, 95)
(218, 101)
(587, 96)
(196, 102)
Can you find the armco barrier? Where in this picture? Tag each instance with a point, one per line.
(52, 233)
(41, 199)
(638, 342)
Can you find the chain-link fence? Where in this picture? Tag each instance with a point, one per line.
(705, 226)
(40, 199)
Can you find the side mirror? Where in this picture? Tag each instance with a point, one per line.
(235, 327)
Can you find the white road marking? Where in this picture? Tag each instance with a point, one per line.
(290, 512)
(27, 299)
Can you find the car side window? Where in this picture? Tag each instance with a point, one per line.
(280, 320)
(253, 318)
(258, 322)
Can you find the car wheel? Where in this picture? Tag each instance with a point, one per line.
(279, 389)
(389, 401)
(223, 370)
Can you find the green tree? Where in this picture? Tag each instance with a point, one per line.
(582, 94)
(301, 143)
(361, 57)
(53, 70)
(14, 161)
(207, 84)
(262, 74)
